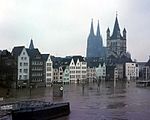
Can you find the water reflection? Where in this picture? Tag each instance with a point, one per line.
(93, 101)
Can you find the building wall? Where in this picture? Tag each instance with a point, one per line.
(120, 69)
(58, 74)
(23, 68)
(116, 47)
(91, 74)
(66, 75)
(131, 71)
(78, 71)
(36, 72)
(55, 74)
(72, 68)
(49, 71)
(101, 71)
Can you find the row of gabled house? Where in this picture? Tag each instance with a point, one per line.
(33, 69)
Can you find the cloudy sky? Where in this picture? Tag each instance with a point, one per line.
(61, 27)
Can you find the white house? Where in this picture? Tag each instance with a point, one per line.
(22, 59)
(131, 71)
(48, 69)
(101, 71)
(78, 68)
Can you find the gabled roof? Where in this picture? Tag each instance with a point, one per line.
(45, 57)
(33, 53)
(17, 50)
(58, 61)
(75, 58)
(148, 63)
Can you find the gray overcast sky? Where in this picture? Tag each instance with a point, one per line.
(61, 27)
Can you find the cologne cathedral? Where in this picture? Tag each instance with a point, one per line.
(95, 43)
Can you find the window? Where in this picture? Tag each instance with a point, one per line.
(23, 53)
(77, 71)
(48, 68)
(25, 70)
(20, 76)
(21, 64)
(77, 67)
(25, 64)
(25, 58)
(48, 79)
(83, 67)
(25, 77)
(48, 74)
(48, 64)
(72, 76)
(20, 70)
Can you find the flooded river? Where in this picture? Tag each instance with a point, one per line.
(107, 101)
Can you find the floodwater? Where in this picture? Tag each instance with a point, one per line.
(106, 101)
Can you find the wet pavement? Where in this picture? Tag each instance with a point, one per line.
(124, 101)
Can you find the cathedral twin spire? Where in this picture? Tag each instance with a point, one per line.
(92, 29)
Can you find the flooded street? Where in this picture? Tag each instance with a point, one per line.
(125, 101)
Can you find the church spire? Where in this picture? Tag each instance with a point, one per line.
(98, 30)
(116, 30)
(92, 29)
(31, 44)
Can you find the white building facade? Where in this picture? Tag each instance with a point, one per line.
(101, 71)
(22, 59)
(78, 69)
(23, 65)
(49, 71)
(131, 71)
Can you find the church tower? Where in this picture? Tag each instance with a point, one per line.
(94, 43)
(116, 43)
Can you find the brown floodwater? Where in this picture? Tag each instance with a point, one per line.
(106, 101)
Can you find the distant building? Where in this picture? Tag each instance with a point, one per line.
(48, 69)
(66, 74)
(92, 64)
(22, 59)
(91, 74)
(116, 45)
(146, 70)
(110, 70)
(66, 71)
(78, 67)
(36, 76)
(57, 69)
(8, 70)
(101, 71)
(141, 69)
(120, 68)
(95, 46)
(131, 71)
